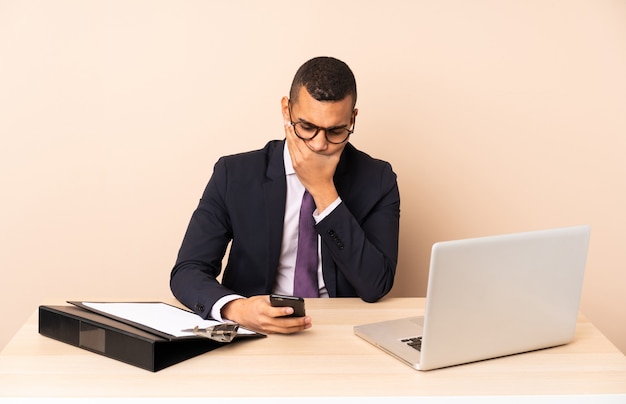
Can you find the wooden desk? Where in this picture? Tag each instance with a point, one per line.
(325, 361)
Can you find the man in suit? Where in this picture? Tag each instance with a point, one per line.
(253, 200)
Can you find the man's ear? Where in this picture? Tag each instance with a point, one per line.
(284, 107)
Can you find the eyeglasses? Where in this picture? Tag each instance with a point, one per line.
(307, 131)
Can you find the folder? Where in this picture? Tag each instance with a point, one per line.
(116, 339)
(165, 320)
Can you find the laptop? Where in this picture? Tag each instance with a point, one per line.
(489, 297)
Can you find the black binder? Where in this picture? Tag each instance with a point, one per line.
(120, 341)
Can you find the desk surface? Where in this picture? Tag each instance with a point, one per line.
(327, 360)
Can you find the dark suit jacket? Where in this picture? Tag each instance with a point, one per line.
(244, 201)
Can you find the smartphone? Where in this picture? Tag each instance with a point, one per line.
(289, 301)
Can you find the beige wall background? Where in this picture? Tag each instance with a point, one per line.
(498, 116)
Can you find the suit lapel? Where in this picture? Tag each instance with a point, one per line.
(341, 178)
(274, 194)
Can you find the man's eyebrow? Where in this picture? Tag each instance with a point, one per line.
(300, 120)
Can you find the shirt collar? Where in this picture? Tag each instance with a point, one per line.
(287, 160)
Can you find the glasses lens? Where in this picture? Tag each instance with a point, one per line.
(337, 135)
(305, 131)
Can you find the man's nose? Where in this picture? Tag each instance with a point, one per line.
(319, 142)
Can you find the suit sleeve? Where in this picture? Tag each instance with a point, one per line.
(193, 278)
(361, 234)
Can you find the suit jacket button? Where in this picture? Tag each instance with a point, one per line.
(199, 307)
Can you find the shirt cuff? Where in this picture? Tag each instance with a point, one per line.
(216, 310)
(320, 216)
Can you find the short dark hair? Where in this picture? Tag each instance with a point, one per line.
(326, 79)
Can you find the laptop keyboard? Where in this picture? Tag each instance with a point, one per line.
(414, 342)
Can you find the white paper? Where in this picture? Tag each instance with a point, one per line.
(159, 316)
